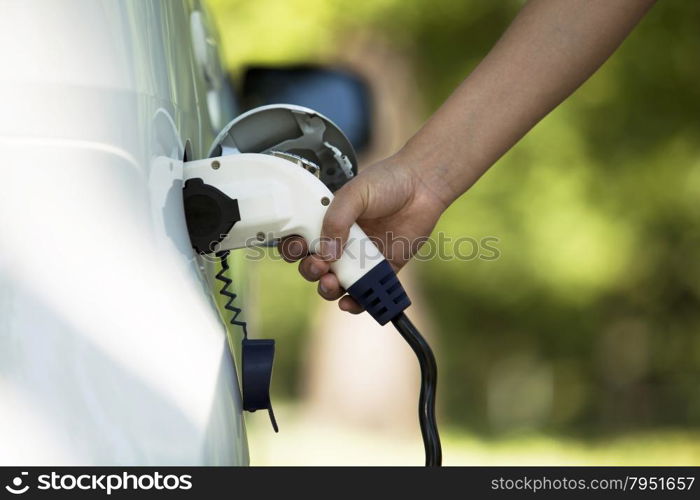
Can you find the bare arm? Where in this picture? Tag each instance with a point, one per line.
(548, 51)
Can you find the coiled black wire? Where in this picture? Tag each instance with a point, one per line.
(426, 360)
(428, 387)
(230, 296)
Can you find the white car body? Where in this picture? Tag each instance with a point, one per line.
(111, 348)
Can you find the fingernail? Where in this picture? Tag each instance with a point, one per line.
(329, 249)
(322, 288)
(315, 270)
(295, 248)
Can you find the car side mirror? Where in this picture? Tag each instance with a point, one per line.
(340, 95)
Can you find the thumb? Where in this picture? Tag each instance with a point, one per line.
(349, 204)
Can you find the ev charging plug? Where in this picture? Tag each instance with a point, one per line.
(250, 199)
(275, 198)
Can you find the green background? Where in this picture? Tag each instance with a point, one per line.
(587, 325)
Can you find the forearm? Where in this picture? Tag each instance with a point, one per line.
(548, 51)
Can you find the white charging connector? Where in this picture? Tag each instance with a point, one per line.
(276, 198)
(249, 199)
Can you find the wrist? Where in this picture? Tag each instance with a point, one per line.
(432, 172)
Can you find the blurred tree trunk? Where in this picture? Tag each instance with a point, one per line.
(358, 371)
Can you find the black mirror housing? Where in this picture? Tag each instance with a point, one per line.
(340, 95)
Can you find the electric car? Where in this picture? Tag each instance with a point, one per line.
(113, 344)
(111, 349)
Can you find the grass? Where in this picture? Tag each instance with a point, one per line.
(308, 440)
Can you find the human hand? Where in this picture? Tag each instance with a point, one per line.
(395, 206)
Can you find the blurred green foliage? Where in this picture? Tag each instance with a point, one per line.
(330, 443)
(589, 321)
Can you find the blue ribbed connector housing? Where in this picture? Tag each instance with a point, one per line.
(380, 292)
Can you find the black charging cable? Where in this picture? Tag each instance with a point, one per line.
(428, 388)
(426, 361)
